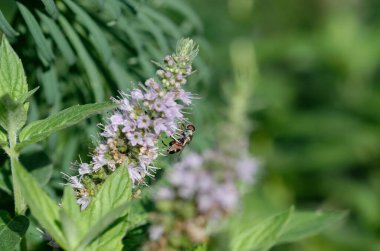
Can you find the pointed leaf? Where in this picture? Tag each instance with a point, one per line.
(69, 204)
(188, 12)
(163, 21)
(12, 75)
(49, 81)
(86, 60)
(97, 37)
(59, 38)
(7, 28)
(70, 229)
(116, 215)
(263, 235)
(28, 94)
(115, 193)
(70, 218)
(304, 224)
(43, 208)
(39, 130)
(42, 44)
(51, 8)
(11, 230)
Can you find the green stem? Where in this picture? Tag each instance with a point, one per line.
(23, 246)
(20, 205)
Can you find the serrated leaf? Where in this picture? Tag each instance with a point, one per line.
(11, 230)
(97, 37)
(59, 38)
(12, 114)
(51, 8)
(86, 60)
(12, 75)
(43, 208)
(304, 224)
(39, 130)
(114, 194)
(7, 28)
(263, 235)
(42, 44)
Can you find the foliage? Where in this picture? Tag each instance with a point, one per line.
(82, 52)
(315, 110)
(62, 223)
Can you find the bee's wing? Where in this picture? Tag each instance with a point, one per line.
(178, 157)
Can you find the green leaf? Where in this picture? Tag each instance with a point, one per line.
(69, 204)
(51, 8)
(5, 178)
(7, 28)
(97, 37)
(59, 38)
(41, 129)
(262, 235)
(304, 224)
(49, 81)
(43, 208)
(39, 165)
(187, 11)
(12, 114)
(11, 230)
(86, 60)
(155, 30)
(70, 218)
(42, 44)
(69, 228)
(3, 139)
(12, 76)
(116, 215)
(162, 21)
(28, 94)
(202, 247)
(110, 204)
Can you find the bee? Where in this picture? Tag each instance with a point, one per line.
(177, 145)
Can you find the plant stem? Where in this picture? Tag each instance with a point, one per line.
(20, 205)
(23, 246)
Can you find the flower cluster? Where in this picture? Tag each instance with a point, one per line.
(201, 188)
(130, 137)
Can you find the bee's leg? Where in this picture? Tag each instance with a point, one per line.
(164, 143)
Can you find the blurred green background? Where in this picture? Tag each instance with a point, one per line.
(316, 108)
(314, 115)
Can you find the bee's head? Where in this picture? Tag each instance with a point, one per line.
(190, 127)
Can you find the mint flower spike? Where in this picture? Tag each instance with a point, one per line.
(130, 135)
(186, 50)
(206, 186)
